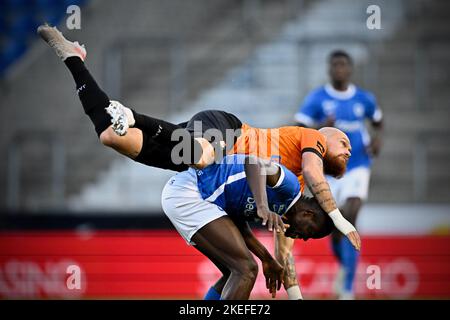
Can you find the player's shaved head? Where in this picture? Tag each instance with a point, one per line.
(338, 151)
(307, 220)
(333, 133)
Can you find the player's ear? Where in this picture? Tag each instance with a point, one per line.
(308, 213)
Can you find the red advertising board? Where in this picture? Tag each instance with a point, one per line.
(160, 265)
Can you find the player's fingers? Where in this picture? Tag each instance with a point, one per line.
(278, 224)
(271, 221)
(357, 241)
(358, 238)
(283, 226)
(279, 282)
(268, 283)
(264, 219)
(353, 237)
(273, 289)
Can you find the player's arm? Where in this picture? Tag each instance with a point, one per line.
(310, 114)
(283, 253)
(312, 168)
(376, 138)
(273, 271)
(260, 174)
(375, 114)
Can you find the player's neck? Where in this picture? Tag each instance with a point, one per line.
(340, 85)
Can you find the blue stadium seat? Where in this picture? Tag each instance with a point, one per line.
(22, 27)
(13, 50)
(19, 20)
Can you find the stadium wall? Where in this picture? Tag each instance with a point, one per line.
(131, 256)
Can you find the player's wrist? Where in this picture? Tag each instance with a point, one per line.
(342, 224)
(294, 293)
(262, 205)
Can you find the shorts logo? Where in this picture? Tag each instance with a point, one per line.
(320, 147)
(81, 88)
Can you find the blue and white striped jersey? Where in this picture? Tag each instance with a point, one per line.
(225, 184)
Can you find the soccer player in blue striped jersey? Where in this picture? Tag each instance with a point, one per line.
(211, 207)
(345, 106)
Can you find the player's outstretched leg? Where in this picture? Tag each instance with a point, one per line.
(349, 255)
(149, 147)
(93, 99)
(346, 254)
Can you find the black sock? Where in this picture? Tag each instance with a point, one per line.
(161, 132)
(93, 99)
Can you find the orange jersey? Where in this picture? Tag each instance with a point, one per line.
(284, 145)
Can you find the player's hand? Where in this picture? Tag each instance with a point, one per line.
(329, 122)
(272, 220)
(375, 145)
(273, 272)
(354, 239)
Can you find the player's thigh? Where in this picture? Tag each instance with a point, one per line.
(221, 125)
(158, 155)
(184, 206)
(225, 271)
(355, 184)
(221, 240)
(202, 223)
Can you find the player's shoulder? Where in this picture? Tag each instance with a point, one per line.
(299, 131)
(310, 132)
(318, 92)
(364, 94)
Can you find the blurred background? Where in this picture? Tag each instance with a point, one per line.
(66, 199)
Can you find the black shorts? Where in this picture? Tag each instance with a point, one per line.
(215, 119)
(157, 155)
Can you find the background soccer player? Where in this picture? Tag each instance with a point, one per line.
(343, 105)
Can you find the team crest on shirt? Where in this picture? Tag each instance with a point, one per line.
(358, 110)
(329, 107)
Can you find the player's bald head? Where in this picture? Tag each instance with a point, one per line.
(333, 133)
(338, 151)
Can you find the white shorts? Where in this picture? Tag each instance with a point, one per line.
(354, 184)
(184, 206)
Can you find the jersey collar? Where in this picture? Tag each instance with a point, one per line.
(343, 95)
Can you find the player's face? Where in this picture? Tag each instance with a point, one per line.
(299, 233)
(337, 156)
(300, 226)
(340, 69)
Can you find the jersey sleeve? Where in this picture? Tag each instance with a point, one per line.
(373, 112)
(309, 112)
(288, 183)
(313, 141)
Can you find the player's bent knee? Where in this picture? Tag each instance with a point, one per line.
(109, 138)
(247, 269)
